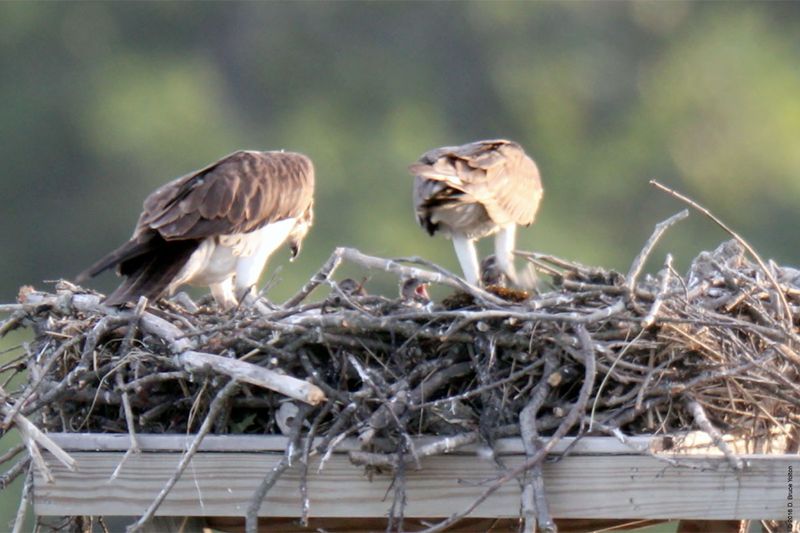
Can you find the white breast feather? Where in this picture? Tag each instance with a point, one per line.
(242, 254)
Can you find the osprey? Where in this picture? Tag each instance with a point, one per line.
(215, 227)
(474, 190)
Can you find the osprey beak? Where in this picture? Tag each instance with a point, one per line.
(294, 247)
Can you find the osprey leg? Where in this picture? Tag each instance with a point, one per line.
(467, 257)
(504, 251)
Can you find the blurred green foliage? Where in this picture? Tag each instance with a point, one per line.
(103, 102)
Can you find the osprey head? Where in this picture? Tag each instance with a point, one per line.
(299, 232)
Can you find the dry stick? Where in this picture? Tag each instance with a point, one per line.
(404, 398)
(213, 410)
(14, 472)
(12, 322)
(702, 421)
(293, 450)
(442, 276)
(352, 321)
(309, 441)
(666, 275)
(32, 436)
(577, 410)
(90, 303)
(392, 460)
(130, 422)
(399, 500)
(11, 453)
(534, 502)
(141, 383)
(124, 348)
(31, 389)
(389, 408)
(641, 259)
(524, 371)
(328, 443)
(24, 502)
(608, 376)
(785, 308)
(319, 278)
(316, 377)
(253, 374)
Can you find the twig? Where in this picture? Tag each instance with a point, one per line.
(569, 421)
(8, 477)
(31, 436)
(442, 276)
(441, 446)
(255, 375)
(150, 379)
(607, 377)
(304, 457)
(702, 421)
(37, 381)
(525, 371)
(786, 309)
(213, 410)
(124, 348)
(24, 502)
(320, 277)
(11, 453)
(395, 522)
(130, 423)
(293, 450)
(666, 275)
(641, 259)
(12, 322)
(534, 501)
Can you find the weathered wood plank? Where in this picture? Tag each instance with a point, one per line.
(220, 484)
(692, 442)
(277, 443)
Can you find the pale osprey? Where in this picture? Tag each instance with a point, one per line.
(474, 190)
(215, 227)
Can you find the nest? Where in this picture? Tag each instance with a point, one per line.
(592, 351)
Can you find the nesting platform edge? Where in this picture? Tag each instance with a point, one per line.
(600, 477)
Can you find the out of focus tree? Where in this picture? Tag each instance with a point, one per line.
(102, 102)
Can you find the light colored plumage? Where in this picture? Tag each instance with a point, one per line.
(468, 192)
(216, 227)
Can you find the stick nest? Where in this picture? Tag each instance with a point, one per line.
(593, 350)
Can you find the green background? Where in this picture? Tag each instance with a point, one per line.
(103, 102)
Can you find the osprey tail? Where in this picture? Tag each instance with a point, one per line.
(151, 273)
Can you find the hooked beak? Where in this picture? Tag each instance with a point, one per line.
(294, 247)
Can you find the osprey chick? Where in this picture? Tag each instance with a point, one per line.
(215, 227)
(468, 192)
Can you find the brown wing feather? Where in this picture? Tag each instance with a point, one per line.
(239, 193)
(495, 174)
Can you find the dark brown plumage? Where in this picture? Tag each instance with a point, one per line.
(193, 228)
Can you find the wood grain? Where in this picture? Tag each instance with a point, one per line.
(579, 486)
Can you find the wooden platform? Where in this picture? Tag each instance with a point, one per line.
(600, 478)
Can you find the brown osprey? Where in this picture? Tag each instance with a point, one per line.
(215, 227)
(474, 190)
